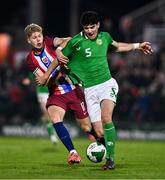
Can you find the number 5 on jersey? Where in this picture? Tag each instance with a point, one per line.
(88, 52)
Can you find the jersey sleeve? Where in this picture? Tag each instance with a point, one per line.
(67, 50)
(48, 40)
(108, 38)
(30, 64)
(30, 76)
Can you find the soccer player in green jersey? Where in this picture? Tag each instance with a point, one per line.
(87, 53)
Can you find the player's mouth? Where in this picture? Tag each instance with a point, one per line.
(91, 35)
(39, 45)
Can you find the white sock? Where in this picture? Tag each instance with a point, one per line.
(73, 151)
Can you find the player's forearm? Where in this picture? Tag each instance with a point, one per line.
(124, 47)
(65, 41)
(61, 41)
(52, 66)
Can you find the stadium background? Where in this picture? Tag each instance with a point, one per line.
(140, 110)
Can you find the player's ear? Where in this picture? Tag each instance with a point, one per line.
(98, 24)
(28, 40)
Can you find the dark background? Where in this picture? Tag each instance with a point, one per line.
(141, 98)
(55, 14)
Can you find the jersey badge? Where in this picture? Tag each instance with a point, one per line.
(99, 41)
(45, 59)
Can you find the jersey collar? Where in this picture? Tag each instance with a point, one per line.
(83, 34)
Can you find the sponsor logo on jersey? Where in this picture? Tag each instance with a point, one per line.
(78, 48)
(110, 143)
(99, 41)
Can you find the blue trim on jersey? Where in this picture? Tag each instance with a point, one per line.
(55, 71)
(65, 85)
(44, 59)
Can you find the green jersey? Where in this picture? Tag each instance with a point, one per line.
(42, 89)
(88, 58)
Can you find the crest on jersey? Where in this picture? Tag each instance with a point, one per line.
(45, 59)
(99, 41)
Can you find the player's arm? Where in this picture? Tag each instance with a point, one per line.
(44, 78)
(61, 41)
(59, 51)
(124, 47)
(41, 78)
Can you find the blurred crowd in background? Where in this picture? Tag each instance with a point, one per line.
(141, 79)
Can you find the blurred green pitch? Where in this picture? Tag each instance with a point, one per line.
(37, 158)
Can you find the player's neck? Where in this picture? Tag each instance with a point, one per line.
(38, 51)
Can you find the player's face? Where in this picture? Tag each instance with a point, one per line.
(36, 40)
(91, 31)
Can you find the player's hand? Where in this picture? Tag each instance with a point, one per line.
(146, 48)
(61, 57)
(41, 80)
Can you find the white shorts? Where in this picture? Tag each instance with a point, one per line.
(42, 97)
(95, 94)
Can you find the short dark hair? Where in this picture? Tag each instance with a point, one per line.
(89, 18)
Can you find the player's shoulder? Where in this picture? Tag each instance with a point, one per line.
(48, 40)
(106, 35)
(28, 56)
(77, 38)
(30, 61)
(79, 35)
(103, 33)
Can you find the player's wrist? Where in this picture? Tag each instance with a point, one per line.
(136, 46)
(45, 78)
(59, 48)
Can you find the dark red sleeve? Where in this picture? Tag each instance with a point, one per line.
(49, 42)
(30, 63)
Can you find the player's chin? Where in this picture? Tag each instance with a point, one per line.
(91, 37)
(39, 48)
